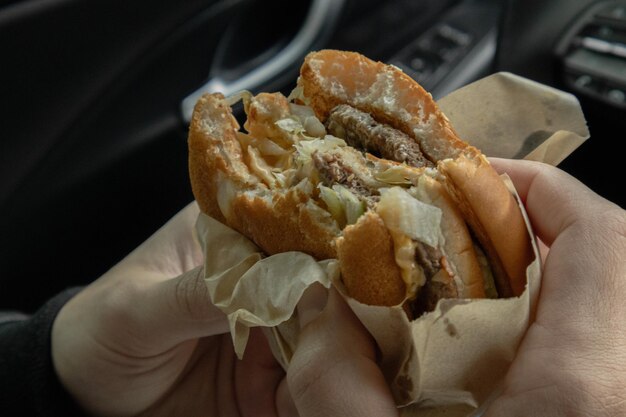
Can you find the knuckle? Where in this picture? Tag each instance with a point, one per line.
(607, 218)
(119, 305)
(615, 221)
(191, 296)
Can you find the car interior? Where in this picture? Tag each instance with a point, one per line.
(96, 96)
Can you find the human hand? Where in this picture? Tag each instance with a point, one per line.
(144, 339)
(572, 361)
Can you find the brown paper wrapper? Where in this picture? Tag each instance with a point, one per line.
(452, 360)
(508, 116)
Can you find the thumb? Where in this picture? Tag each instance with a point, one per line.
(553, 198)
(334, 371)
(179, 309)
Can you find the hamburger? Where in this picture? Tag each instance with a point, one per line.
(359, 164)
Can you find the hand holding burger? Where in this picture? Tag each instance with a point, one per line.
(572, 359)
(142, 341)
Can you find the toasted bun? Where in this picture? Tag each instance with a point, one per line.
(494, 216)
(277, 221)
(368, 267)
(213, 148)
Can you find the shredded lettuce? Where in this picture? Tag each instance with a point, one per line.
(298, 94)
(226, 192)
(265, 146)
(270, 148)
(311, 124)
(301, 111)
(343, 205)
(314, 127)
(354, 207)
(409, 221)
(403, 213)
(260, 167)
(284, 178)
(307, 127)
(244, 95)
(306, 148)
(290, 125)
(333, 203)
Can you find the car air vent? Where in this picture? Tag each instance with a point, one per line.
(593, 53)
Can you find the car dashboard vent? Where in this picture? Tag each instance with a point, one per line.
(593, 53)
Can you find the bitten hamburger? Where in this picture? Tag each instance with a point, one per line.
(359, 164)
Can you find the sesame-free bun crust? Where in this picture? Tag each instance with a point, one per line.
(494, 216)
(332, 77)
(213, 148)
(226, 190)
(368, 267)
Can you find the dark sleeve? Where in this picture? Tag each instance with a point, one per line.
(28, 383)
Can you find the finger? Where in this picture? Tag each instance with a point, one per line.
(169, 312)
(258, 376)
(171, 250)
(553, 198)
(309, 307)
(312, 303)
(285, 407)
(333, 370)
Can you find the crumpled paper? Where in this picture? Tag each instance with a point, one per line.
(446, 362)
(250, 289)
